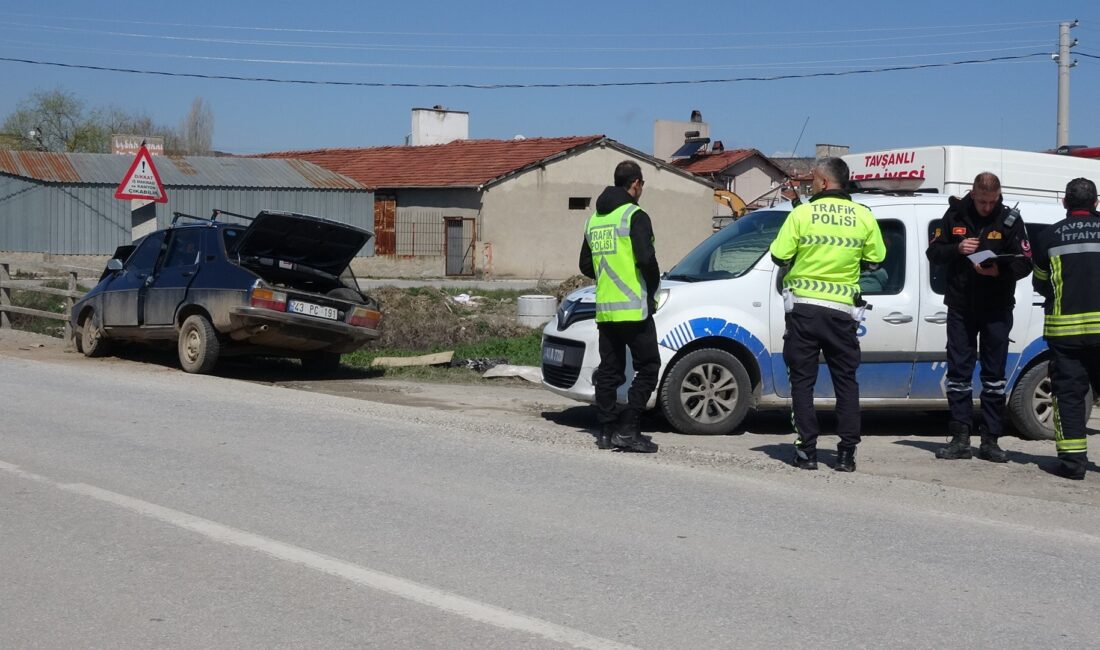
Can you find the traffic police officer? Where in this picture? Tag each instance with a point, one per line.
(824, 243)
(618, 253)
(1067, 274)
(980, 299)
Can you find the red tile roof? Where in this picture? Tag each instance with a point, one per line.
(713, 163)
(462, 163)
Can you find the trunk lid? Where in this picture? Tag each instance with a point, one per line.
(288, 237)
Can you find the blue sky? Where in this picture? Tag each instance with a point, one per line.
(1009, 104)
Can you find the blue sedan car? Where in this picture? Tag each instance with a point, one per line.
(280, 286)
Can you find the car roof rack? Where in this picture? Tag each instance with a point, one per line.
(176, 216)
(215, 212)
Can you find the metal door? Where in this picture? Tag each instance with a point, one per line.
(460, 246)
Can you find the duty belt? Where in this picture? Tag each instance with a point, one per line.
(829, 304)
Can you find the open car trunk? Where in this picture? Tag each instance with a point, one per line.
(299, 251)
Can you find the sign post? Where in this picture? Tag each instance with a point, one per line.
(143, 187)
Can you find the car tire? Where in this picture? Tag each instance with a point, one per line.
(1031, 405)
(198, 345)
(93, 341)
(706, 392)
(322, 363)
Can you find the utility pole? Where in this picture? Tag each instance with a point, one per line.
(1064, 64)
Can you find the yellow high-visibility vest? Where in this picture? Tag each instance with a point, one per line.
(620, 290)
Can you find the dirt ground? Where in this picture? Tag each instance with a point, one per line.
(896, 445)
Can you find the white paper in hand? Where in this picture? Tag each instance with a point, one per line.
(981, 256)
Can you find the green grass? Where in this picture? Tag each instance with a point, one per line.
(42, 302)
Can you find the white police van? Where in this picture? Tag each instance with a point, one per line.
(720, 328)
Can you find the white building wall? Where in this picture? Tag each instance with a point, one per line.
(438, 126)
(532, 233)
(751, 178)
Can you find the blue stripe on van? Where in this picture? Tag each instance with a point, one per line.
(698, 328)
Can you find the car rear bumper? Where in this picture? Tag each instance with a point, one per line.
(269, 328)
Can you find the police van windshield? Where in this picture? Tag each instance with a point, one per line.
(733, 250)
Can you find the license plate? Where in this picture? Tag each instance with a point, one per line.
(553, 355)
(310, 309)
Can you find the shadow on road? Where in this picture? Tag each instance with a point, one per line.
(244, 368)
(1046, 463)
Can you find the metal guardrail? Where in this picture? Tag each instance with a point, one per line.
(70, 294)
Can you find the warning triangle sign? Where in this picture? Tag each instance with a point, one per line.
(142, 181)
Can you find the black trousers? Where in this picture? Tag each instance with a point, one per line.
(1073, 370)
(983, 336)
(811, 331)
(640, 337)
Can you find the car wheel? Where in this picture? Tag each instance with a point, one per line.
(93, 341)
(706, 392)
(322, 363)
(1031, 406)
(199, 346)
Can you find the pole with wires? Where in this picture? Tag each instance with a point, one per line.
(1064, 64)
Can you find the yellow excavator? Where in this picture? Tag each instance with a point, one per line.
(730, 200)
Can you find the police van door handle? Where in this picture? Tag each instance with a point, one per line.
(938, 318)
(897, 318)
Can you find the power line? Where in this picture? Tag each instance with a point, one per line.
(608, 84)
(350, 32)
(531, 68)
(890, 40)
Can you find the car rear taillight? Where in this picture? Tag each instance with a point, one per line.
(268, 299)
(363, 317)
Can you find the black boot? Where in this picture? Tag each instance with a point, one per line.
(629, 437)
(603, 438)
(959, 447)
(990, 450)
(1071, 467)
(805, 458)
(845, 459)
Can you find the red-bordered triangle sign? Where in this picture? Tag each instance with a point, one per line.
(142, 181)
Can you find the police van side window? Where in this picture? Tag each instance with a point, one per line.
(1034, 230)
(889, 278)
(937, 271)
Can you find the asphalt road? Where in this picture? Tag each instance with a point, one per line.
(144, 508)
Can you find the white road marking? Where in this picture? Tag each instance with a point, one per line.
(400, 587)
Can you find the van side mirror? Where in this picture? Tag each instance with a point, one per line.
(114, 264)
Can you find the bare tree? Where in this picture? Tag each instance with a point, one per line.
(198, 128)
(55, 116)
(59, 123)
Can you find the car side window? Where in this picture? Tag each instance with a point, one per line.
(230, 237)
(184, 249)
(889, 278)
(145, 257)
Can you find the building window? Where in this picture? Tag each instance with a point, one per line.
(579, 202)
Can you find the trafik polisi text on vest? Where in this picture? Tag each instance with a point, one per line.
(834, 215)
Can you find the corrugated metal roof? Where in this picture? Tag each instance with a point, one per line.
(179, 171)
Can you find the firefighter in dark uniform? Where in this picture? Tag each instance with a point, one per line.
(618, 253)
(1067, 274)
(823, 244)
(980, 299)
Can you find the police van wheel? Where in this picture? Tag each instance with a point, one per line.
(1031, 406)
(706, 392)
